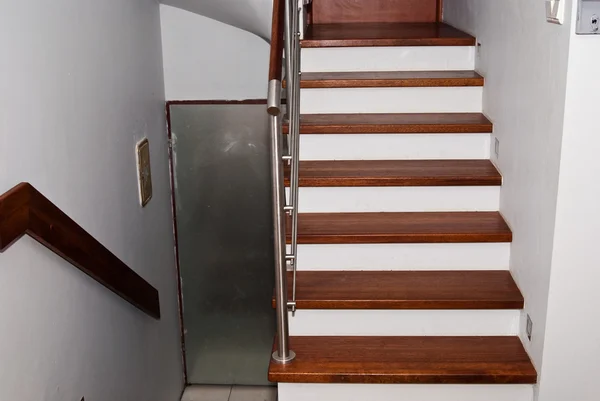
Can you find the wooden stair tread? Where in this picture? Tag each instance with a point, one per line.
(385, 34)
(404, 360)
(405, 290)
(393, 123)
(387, 79)
(362, 173)
(402, 227)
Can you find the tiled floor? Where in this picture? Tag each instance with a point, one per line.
(229, 393)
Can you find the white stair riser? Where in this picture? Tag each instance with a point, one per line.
(477, 256)
(398, 199)
(394, 146)
(404, 322)
(417, 58)
(404, 392)
(392, 100)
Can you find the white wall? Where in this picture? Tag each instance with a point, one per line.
(207, 60)
(81, 83)
(524, 62)
(572, 347)
(250, 15)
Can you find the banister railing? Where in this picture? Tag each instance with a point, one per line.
(24, 210)
(285, 36)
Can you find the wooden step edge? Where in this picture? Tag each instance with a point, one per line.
(404, 378)
(406, 360)
(309, 43)
(308, 83)
(344, 293)
(483, 304)
(386, 173)
(395, 129)
(433, 181)
(392, 83)
(403, 238)
(397, 304)
(401, 227)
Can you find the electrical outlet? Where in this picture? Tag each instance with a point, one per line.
(144, 172)
(588, 17)
(595, 23)
(497, 147)
(529, 328)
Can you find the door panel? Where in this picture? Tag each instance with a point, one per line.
(224, 233)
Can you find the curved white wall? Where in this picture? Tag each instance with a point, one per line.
(250, 15)
(204, 59)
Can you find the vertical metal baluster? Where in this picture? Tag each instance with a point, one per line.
(296, 138)
(289, 51)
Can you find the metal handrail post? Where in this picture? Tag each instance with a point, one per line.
(283, 353)
(280, 207)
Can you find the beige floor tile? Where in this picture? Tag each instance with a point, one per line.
(206, 393)
(253, 393)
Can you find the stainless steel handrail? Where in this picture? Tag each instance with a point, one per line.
(283, 353)
(280, 206)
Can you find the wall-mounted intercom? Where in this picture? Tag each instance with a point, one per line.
(588, 17)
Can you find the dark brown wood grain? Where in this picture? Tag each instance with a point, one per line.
(479, 289)
(386, 173)
(406, 360)
(276, 53)
(385, 34)
(14, 214)
(403, 123)
(214, 102)
(404, 227)
(23, 210)
(390, 79)
(351, 11)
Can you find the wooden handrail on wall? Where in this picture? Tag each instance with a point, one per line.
(24, 210)
(276, 55)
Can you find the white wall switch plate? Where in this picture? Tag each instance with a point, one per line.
(555, 11)
(144, 172)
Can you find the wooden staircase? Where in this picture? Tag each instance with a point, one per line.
(403, 288)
